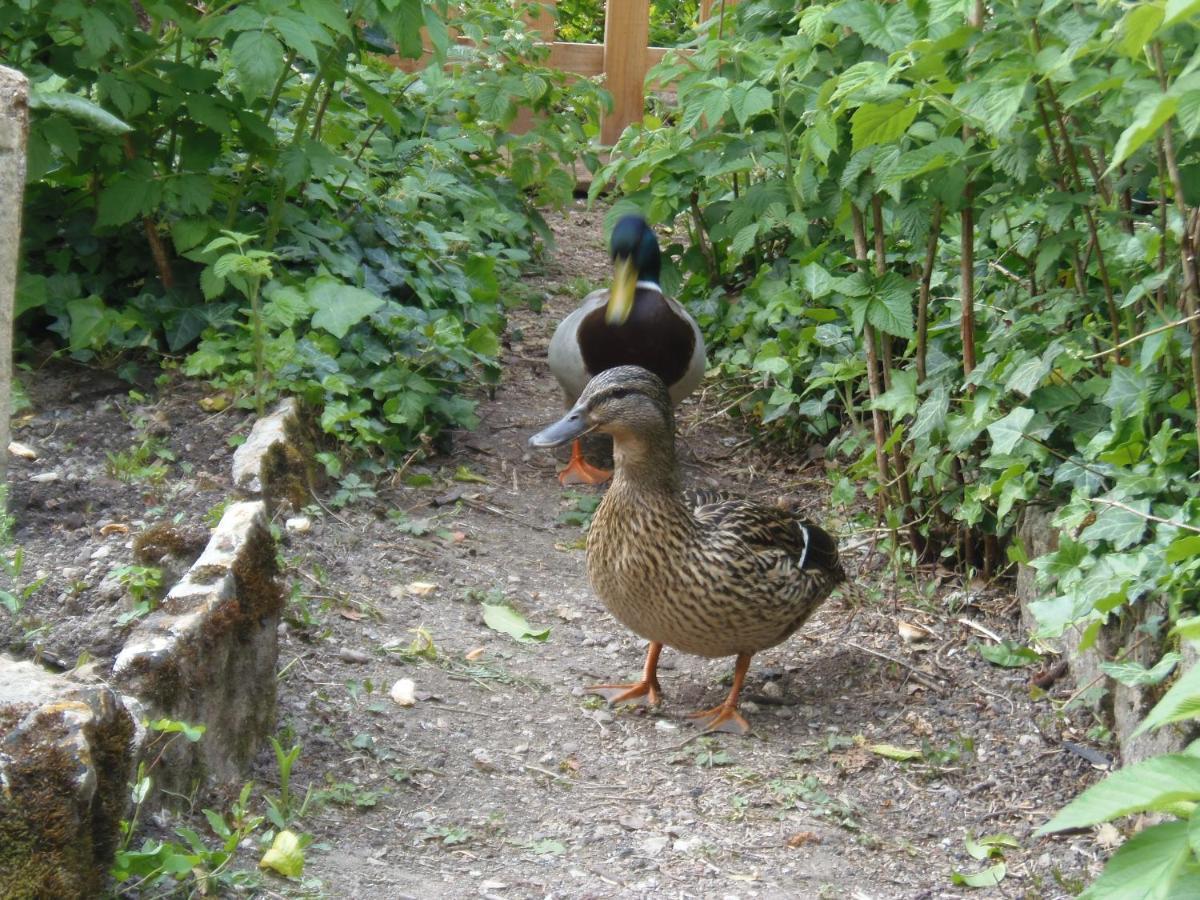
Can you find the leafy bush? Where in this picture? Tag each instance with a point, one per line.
(958, 243)
(386, 213)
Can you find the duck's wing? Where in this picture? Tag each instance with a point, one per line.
(697, 364)
(771, 533)
(565, 356)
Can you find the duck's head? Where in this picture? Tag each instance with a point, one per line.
(636, 257)
(625, 401)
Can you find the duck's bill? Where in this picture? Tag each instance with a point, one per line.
(620, 298)
(571, 426)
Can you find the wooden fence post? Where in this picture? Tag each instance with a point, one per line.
(626, 37)
(14, 133)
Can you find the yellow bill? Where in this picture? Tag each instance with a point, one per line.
(620, 298)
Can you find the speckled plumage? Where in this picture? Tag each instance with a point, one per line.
(708, 574)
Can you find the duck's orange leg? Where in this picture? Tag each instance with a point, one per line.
(580, 471)
(645, 691)
(726, 716)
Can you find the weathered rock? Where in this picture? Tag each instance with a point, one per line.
(66, 760)
(207, 655)
(275, 463)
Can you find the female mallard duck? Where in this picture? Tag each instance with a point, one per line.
(707, 575)
(633, 323)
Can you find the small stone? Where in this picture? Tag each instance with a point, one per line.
(773, 689)
(749, 707)
(347, 654)
(655, 844)
(72, 573)
(298, 524)
(23, 451)
(664, 725)
(101, 552)
(44, 477)
(687, 844)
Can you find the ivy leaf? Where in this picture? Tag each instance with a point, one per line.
(1009, 654)
(1150, 115)
(258, 58)
(932, 413)
(1132, 674)
(1183, 549)
(878, 123)
(340, 306)
(1120, 527)
(1008, 432)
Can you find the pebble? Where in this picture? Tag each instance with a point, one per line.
(655, 844)
(346, 654)
(298, 524)
(44, 477)
(101, 552)
(773, 689)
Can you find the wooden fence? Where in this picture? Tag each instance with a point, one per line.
(623, 59)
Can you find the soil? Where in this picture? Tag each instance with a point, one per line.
(505, 779)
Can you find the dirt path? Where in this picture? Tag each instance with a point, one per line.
(504, 780)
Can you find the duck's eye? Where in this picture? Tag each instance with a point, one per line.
(619, 393)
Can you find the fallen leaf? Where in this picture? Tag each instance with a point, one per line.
(462, 473)
(1107, 836)
(286, 855)
(800, 838)
(911, 633)
(352, 614)
(215, 403)
(24, 451)
(567, 614)
(989, 877)
(891, 751)
(458, 536)
(421, 588)
(473, 655)
(114, 528)
(404, 692)
(508, 621)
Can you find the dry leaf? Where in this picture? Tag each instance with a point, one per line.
(458, 536)
(473, 655)
(215, 403)
(352, 614)
(567, 614)
(800, 838)
(1107, 836)
(911, 633)
(114, 528)
(24, 451)
(421, 588)
(919, 726)
(404, 692)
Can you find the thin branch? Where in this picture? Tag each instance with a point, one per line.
(1145, 334)
(935, 228)
(916, 673)
(1149, 517)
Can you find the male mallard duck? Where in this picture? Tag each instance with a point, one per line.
(633, 323)
(708, 575)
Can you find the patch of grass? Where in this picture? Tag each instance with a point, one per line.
(145, 461)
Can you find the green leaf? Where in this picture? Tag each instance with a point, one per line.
(1153, 784)
(1150, 116)
(1155, 864)
(1009, 654)
(1137, 27)
(990, 845)
(891, 751)
(258, 57)
(78, 108)
(991, 104)
(1188, 629)
(749, 102)
(816, 281)
(286, 855)
(1181, 702)
(1183, 549)
(989, 877)
(125, 198)
(1009, 431)
(1178, 10)
(878, 123)
(1122, 527)
(887, 26)
(901, 398)
(339, 307)
(890, 308)
(508, 621)
(1132, 674)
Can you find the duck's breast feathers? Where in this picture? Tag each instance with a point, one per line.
(659, 335)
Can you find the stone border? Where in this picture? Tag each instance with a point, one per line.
(70, 744)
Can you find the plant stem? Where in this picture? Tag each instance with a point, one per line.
(158, 249)
(935, 228)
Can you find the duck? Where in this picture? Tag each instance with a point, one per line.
(708, 574)
(632, 322)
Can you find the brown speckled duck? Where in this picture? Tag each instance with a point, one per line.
(631, 323)
(706, 574)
